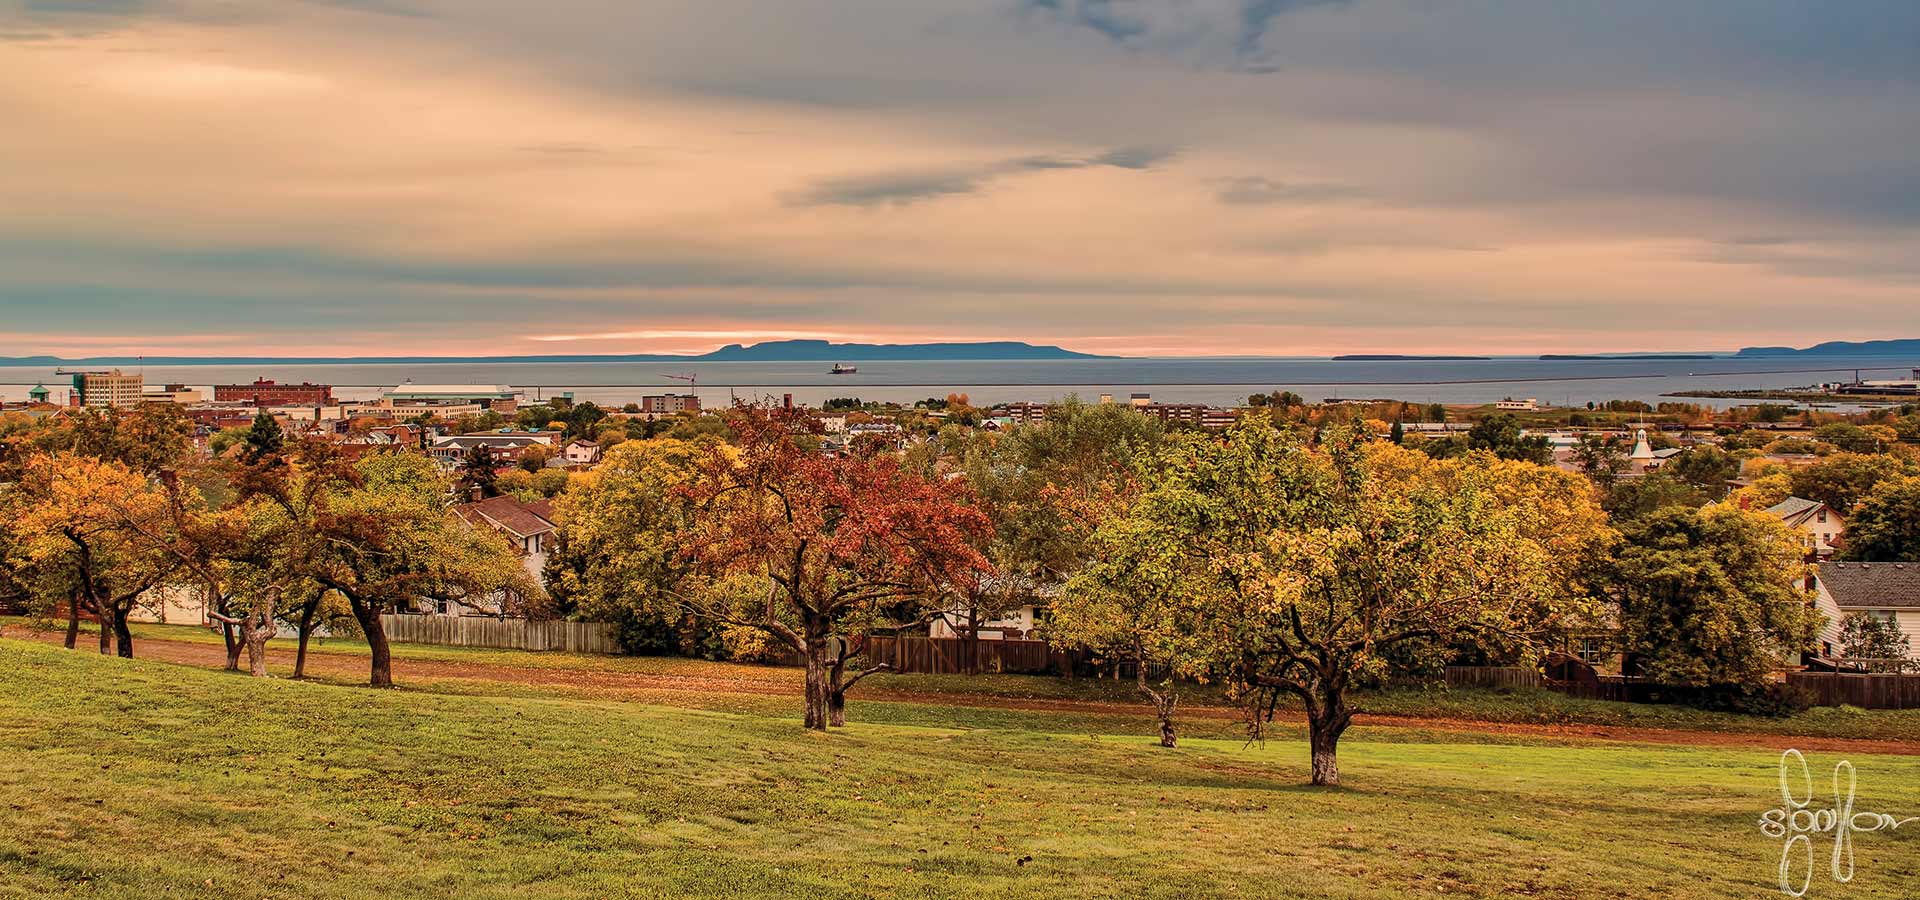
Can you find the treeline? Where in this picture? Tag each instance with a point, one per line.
(1298, 557)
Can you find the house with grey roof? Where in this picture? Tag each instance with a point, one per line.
(1883, 590)
(1820, 526)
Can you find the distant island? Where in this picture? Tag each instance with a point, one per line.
(768, 351)
(1641, 356)
(1901, 347)
(1386, 357)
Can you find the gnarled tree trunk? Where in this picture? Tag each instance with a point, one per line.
(1163, 702)
(1328, 716)
(818, 692)
(380, 669)
(232, 642)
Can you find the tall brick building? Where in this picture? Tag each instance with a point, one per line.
(266, 392)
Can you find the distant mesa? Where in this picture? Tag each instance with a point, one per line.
(1386, 357)
(769, 351)
(1901, 347)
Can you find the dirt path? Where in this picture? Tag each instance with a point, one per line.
(662, 688)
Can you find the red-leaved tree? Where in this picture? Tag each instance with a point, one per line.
(845, 545)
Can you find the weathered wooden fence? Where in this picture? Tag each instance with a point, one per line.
(1864, 691)
(947, 656)
(510, 634)
(1499, 677)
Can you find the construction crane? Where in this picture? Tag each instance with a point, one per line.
(692, 381)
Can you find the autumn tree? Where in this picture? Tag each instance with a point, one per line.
(1710, 598)
(845, 544)
(1327, 568)
(1885, 527)
(1840, 480)
(381, 534)
(73, 518)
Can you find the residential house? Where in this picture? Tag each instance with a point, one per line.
(1820, 526)
(507, 447)
(1889, 591)
(528, 527)
(581, 453)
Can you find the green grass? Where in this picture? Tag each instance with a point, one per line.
(1527, 707)
(149, 780)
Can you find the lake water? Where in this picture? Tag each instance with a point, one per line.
(1216, 380)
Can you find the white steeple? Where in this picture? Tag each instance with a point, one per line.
(1641, 449)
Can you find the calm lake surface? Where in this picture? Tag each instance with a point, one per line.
(1217, 380)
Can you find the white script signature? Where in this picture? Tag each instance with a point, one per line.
(1798, 823)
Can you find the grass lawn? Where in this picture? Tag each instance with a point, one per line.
(152, 780)
(1519, 706)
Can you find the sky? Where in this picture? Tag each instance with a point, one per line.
(1139, 177)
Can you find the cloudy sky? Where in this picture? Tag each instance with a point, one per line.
(1122, 176)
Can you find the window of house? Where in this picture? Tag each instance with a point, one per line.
(1590, 649)
(1822, 514)
(1882, 615)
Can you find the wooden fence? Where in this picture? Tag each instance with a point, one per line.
(510, 634)
(1864, 691)
(1499, 677)
(948, 656)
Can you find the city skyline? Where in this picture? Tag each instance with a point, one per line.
(1277, 177)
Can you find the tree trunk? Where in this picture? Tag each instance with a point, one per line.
(233, 646)
(123, 634)
(1326, 721)
(105, 614)
(818, 698)
(258, 628)
(73, 620)
(306, 631)
(1163, 703)
(381, 668)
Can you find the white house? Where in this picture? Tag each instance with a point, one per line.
(1889, 591)
(1820, 526)
(581, 452)
(528, 527)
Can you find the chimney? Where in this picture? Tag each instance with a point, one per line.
(475, 495)
(1746, 502)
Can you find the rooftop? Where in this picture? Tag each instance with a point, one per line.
(1857, 585)
(452, 392)
(510, 515)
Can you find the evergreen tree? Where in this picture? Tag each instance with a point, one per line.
(477, 471)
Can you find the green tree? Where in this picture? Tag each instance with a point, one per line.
(1640, 497)
(479, 469)
(1874, 643)
(619, 558)
(1710, 598)
(1322, 569)
(265, 438)
(1705, 467)
(1885, 527)
(1502, 435)
(1840, 480)
(1139, 601)
(1600, 458)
